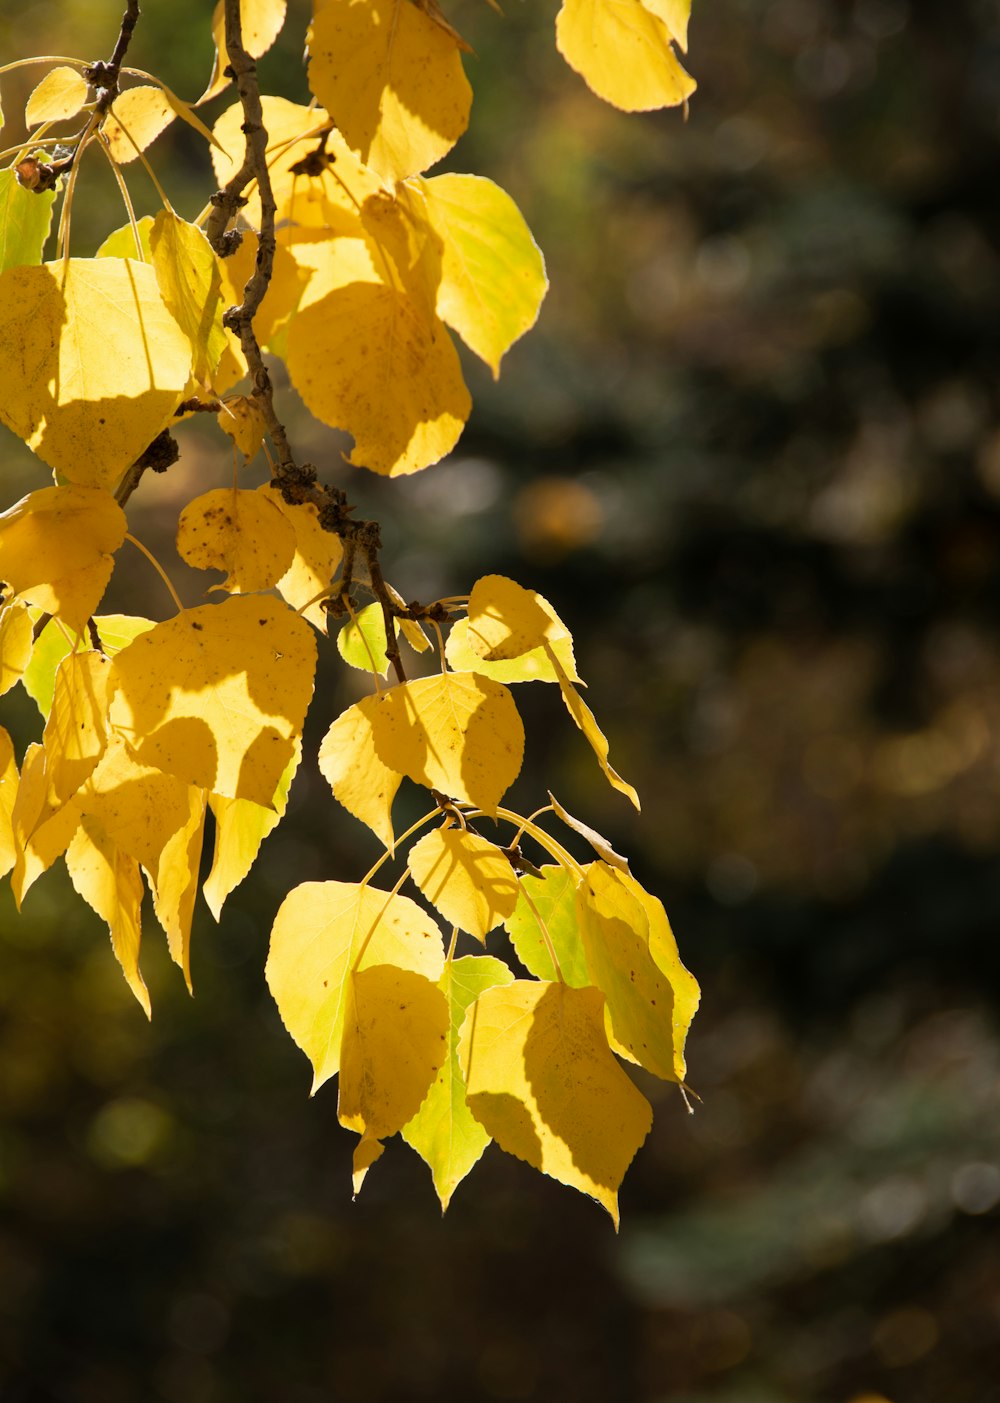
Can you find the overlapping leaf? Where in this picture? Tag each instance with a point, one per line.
(25, 220)
(466, 877)
(622, 49)
(243, 533)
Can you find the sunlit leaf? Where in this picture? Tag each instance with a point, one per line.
(240, 828)
(584, 718)
(241, 532)
(403, 100)
(362, 641)
(600, 844)
(349, 762)
(260, 22)
(60, 94)
(115, 631)
(15, 644)
(675, 14)
(322, 933)
(622, 50)
(8, 793)
(174, 882)
(549, 901)
(75, 735)
(533, 666)
(121, 244)
(467, 878)
(110, 882)
(242, 418)
(140, 808)
(41, 833)
(57, 549)
(543, 1082)
(92, 365)
(137, 118)
(218, 695)
(190, 283)
(506, 620)
(317, 558)
(444, 1132)
(25, 220)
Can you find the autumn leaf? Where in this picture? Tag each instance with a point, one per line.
(349, 762)
(444, 1132)
(244, 533)
(190, 282)
(403, 100)
(240, 828)
(543, 1082)
(75, 735)
(110, 882)
(15, 643)
(137, 117)
(585, 720)
(60, 94)
(533, 666)
(622, 50)
(261, 22)
(466, 877)
(324, 932)
(546, 917)
(507, 620)
(8, 793)
(174, 882)
(115, 632)
(362, 641)
(91, 363)
(316, 559)
(25, 220)
(218, 695)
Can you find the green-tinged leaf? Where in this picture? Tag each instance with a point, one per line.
(187, 272)
(240, 828)
(362, 641)
(115, 631)
(121, 244)
(549, 901)
(444, 1132)
(25, 221)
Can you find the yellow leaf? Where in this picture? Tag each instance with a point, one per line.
(601, 846)
(91, 363)
(506, 620)
(75, 735)
(140, 808)
(137, 117)
(360, 780)
(675, 14)
(395, 384)
(543, 1082)
(444, 1132)
(284, 291)
(322, 933)
(466, 877)
(492, 273)
(403, 100)
(110, 882)
(8, 793)
(218, 695)
(549, 901)
(242, 532)
(362, 641)
(243, 420)
(41, 834)
(114, 631)
(623, 53)
(457, 732)
(394, 1042)
(15, 640)
(187, 272)
(584, 718)
(533, 666)
(57, 549)
(121, 243)
(260, 22)
(632, 957)
(174, 882)
(60, 94)
(240, 828)
(317, 558)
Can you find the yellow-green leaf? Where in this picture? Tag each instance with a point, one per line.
(466, 877)
(92, 365)
(15, 644)
(549, 901)
(260, 22)
(395, 1040)
(584, 718)
(114, 630)
(137, 118)
(218, 695)
(121, 243)
(240, 828)
(444, 1132)
(322, 933)
(8, 794)
(362, 641)
(623, 52)
(25, 220)
(395, 383)
(492, 272)
(349, 761)
(543, 1082)
(242, 532)
(187, 272)
(533, 666)
(457, 732)
(632, 957)
(60, 94)
(57, 549)
(75, 735)
(403, 100)
(110, 882)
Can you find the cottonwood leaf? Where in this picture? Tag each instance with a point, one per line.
(492, 277)
(190, 282)
(543, 1082)
(41, 833)
(403, 100)
(15, 644)
(600, 844)
(322, 933)
(533, 666)
(260, 22)
(241, 532)
(549, 900)
(632, 958)
(584, 718)
(675, 14)
(506, 620)
(25, 221)
(349, 762)
(122, 242)
(57, 549)
(174, 882)
(622, 51)
(75, 735)
(8, 793)
(218, 695)
(60, 94)
(317, 558)
(139, 807)
(110, 882)
(466, 877)
(362, 641)
(444, 1132)
(395, 1040)
(137, 117)
(240, 828)
(395, 384)
(242, 419)
(458, 732)
(52, 645)
(284, 292)
(91, 363)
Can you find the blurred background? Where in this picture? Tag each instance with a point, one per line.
(751, 454)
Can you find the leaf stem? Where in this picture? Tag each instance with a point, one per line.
(123, 191)
(157, 567)
(390, 852)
